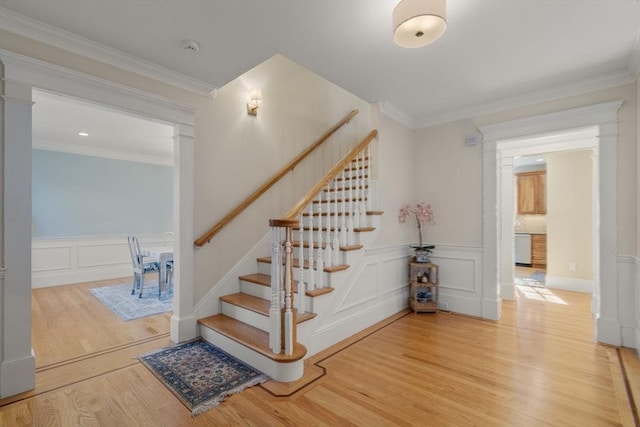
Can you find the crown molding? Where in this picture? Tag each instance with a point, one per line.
(397, 114)
(53, 36)
(575, 88)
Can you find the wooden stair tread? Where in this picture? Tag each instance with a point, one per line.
(265, 280)
(353, 187)
(359, 199)
(359, 176)
(296, 244)
(334, 268)
(306, 214)
(253, 338)
(356, 229)
(259, 305)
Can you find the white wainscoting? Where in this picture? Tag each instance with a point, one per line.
(460, 278)
(63, 261)
(628, 300)
(637, 304)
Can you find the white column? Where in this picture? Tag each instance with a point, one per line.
(183, 321)
(319, 257)
(17, 366)
(288, 297)
(301, 287)
(311, 281)
(328, 251)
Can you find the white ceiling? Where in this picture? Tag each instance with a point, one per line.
(494, 54)
(57, 121)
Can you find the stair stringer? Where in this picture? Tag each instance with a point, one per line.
(229, 283)
(372, 289)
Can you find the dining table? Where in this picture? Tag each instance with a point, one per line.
(162, 254)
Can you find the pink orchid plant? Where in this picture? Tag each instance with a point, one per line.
(424, 215)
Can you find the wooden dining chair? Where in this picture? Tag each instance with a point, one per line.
(140, 267)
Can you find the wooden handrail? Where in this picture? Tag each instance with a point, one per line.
(329, 176)
(206, 238)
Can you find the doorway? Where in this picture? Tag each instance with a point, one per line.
(98, 176)
(20, 76)
(532, 135)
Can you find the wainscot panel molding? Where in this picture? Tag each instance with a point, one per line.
(628, 300)
(64, 261)
(460, 278)
(637, 304)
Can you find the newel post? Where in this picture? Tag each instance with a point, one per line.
(282, 314)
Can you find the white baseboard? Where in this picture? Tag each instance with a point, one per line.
(17, 376)
(569, 284)
(64, 261)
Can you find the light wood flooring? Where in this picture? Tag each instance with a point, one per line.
(539, 365)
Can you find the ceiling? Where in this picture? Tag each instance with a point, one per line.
(494, 54)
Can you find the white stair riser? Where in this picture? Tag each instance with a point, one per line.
(247, 316)
(256, 290)
(283, 372)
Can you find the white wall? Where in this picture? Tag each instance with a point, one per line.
(569, 214)
(240, 152)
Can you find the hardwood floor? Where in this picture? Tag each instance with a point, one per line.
(539, 365)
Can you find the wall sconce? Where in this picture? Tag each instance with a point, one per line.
(255, 98)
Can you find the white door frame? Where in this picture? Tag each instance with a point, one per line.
(21, 75)
(499, 144)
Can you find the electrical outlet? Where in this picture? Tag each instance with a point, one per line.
(443, 305)
(572, 266)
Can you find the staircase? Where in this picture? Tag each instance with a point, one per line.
(333, 225)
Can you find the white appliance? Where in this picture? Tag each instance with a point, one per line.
(522, 249)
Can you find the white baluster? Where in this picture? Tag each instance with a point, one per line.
(328, 250)
(363, 192)
(275, 343)
(343, 225)
(288, 299)
(311, 280)
(319, 257)
(350, 233)
(301, 286)
(336, 229)
(356, 203)
(369, 203)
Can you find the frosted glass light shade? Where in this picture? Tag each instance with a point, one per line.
(417, 23)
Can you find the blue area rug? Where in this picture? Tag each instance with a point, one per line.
(128, 307)
(200, 374)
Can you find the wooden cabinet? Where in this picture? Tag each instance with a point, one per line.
(423, 281)
(531, 188)
(538, 250)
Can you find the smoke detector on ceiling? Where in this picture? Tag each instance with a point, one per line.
(191, 46)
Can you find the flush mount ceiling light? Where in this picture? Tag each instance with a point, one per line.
(83, 134)
(417, 23)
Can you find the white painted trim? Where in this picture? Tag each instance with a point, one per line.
(21, 75)
(634, 57)
(54, 36)
(569, 284)
(114, 260)
(84, 87)
(17, 375)
(495, 209)
(397, 114)
(571, 89)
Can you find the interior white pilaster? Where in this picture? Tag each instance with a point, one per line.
(548, 133)
(21, 74)
(17, 367)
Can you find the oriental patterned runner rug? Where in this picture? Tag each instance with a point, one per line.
(200, 374)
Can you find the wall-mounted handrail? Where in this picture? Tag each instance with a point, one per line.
(206, 237)
(329, 176)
